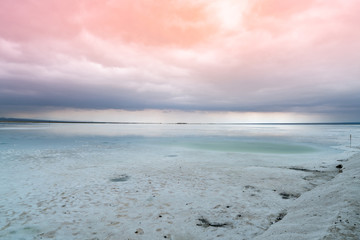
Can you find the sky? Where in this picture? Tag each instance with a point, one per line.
(180, 60)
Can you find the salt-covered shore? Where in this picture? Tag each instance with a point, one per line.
(134, 188)
(329, 211)
(182, 201)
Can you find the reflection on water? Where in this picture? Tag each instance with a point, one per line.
(216, 137)
(162, 130)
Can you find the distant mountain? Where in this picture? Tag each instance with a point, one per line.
(27, 120)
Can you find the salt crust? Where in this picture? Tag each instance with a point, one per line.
(329, 211)
(176, 205)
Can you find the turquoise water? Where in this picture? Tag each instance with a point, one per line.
(277, 139)
(233, 145)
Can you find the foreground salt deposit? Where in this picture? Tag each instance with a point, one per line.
(131, 188)
(330, 211)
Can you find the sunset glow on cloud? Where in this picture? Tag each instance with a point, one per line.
(282, 56)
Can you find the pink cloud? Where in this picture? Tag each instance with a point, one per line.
(149, 22)
(269, 54)
(27, 20)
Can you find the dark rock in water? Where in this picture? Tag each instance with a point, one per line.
(139, 231)
(280, 216)
(171, 155)
(121, 178)
(205, 223)
(339, 166)
(285, 195)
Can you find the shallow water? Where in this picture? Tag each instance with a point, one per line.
(241, 145)
(88, 181)
(231, 138)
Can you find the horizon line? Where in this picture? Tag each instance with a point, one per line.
(25, 120)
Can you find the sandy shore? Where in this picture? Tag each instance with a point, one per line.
(329, 211)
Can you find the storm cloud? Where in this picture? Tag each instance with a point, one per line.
(246, 56)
